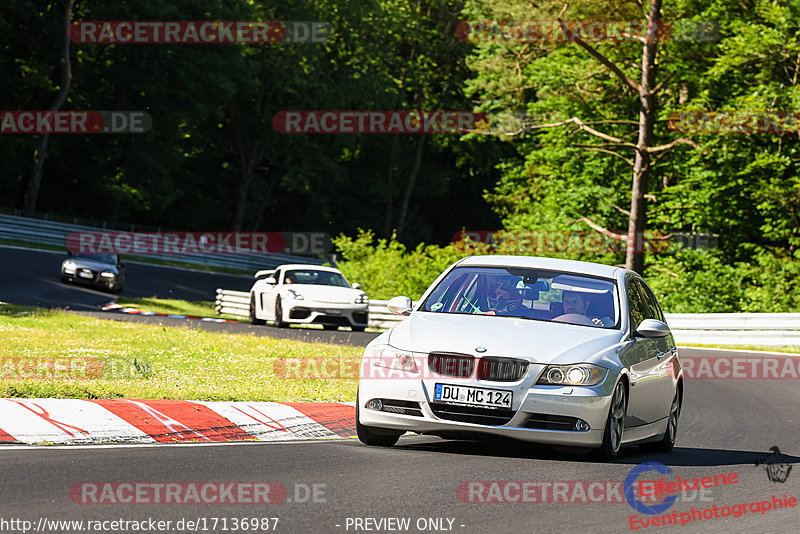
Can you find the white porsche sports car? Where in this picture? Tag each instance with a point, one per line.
(308, 294)
(539, 349)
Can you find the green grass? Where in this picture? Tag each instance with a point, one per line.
(196, 308)
(50, 353)
(791, 349)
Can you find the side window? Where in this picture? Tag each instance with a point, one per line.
(636, 307)
(652, 309)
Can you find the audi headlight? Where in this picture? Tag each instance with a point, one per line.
(361, 299)
(580, 374)
(391, 358)
(107, 274)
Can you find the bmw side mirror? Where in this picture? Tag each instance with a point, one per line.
(651, 328)
(399, 305)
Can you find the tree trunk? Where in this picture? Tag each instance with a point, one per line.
(390, 188)
(401, 222)
(40, 154)
(251, 153)
(634, 257)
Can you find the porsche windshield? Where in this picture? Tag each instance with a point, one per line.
(527, 293)
(319, 278)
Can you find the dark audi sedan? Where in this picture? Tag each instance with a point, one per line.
(103, 271)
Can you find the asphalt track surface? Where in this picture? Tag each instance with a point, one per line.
(726, 426)
(31, 278)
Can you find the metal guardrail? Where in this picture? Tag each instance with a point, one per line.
(237, 303)
(55, 233)
(771, 329)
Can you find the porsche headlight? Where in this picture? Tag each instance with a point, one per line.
(579, 374)
(361, 299)
(391, 358)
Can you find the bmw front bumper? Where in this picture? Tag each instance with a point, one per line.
(542, 414)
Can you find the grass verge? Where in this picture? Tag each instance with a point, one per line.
(49, 353)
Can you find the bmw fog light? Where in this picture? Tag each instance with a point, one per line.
(374, 404)
(581, 425)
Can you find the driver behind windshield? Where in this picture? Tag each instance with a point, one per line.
(578, 303)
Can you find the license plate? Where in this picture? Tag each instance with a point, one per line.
(493, 398)
(333, 312)
(84, 274)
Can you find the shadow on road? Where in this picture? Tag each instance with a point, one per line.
(630, 455)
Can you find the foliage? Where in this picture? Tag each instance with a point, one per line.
(155, 362)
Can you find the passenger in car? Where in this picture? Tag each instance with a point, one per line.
(578, 303)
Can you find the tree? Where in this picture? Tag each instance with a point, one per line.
(40, 154)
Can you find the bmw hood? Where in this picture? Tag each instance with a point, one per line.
(536, 341)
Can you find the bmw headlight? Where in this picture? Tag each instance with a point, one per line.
(579, 374)
(391, 358)
(361, 299)
(296, 295)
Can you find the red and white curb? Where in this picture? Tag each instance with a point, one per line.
(130, 310)
(45, 421)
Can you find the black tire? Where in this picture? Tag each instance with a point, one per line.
(615, 425)
(358, 328)
(64, 278)
(252, 314)
(279, 314)
(375, 437)
(330, 326)
(667, 441)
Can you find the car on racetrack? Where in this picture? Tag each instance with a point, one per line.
(103, 271)
(545, 350)
(308, 294)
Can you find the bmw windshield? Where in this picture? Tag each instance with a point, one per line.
(527, 293)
